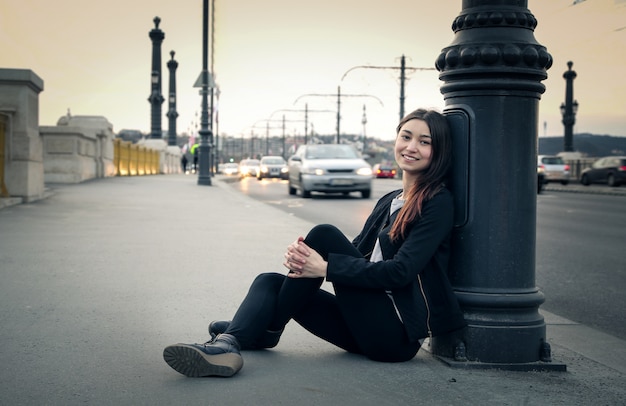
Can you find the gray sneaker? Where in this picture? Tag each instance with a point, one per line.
(217, 327)
(268, 340)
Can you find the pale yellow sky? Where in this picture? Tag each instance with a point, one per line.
(95, 59)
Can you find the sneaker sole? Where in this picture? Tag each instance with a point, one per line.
(192, 362)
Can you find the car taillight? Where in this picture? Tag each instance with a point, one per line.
(567, 167)
(622, 168)
(542, 166)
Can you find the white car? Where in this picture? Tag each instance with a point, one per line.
(329, 168)
(554, 169)
(230, 168)
(248, 167)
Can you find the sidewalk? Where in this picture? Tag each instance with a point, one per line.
(99, 277)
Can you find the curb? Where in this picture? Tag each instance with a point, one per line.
(595, 190)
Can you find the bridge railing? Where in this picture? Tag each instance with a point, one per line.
(135, 160)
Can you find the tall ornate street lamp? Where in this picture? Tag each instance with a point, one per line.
(206, 135)
(156, 98)
(492, 74)
(172, 114)
(569, 109)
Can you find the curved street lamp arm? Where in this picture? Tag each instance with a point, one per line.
(301, 111)
(340, 95)
(314, 94)
(364, 95)
(383, 67)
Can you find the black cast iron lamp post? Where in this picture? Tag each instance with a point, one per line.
(156, 98)
(206, 135)
(492, 75)
(569, 109)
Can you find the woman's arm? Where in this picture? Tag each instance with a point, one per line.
(422, 243)
(303, 261)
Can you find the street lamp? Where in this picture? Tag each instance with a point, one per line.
(569, 109)
(306, 112)
(364, 122)
(206, 135)
(156, 98)
(172, 114)
(268, 128)
(339, 95)
(494, 64)
(403, 68)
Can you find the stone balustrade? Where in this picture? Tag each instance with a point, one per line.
(77, 149)
(134, 159)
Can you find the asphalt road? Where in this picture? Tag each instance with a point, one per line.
(580, 237)
(99, 277)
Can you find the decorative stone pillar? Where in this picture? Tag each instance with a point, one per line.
(492, 75)
(23, 152)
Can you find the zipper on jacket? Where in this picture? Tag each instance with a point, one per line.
(430, 333)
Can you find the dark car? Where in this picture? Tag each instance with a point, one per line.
(610, 170)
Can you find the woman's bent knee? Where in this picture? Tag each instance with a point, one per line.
(270, 278)
(323, 230)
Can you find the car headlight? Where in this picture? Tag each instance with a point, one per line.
(284, 170)
(364, 171)
(313, 171)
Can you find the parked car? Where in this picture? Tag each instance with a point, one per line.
(554, 168)
(329, 168)
(248, 167)
(610, 170)
(384, 171)
(272, 167)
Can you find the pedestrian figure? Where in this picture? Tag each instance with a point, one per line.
(390, 285)
(183, 162)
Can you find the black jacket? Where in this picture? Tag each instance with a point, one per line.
(414, 269)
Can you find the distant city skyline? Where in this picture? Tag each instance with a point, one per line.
(95, 60)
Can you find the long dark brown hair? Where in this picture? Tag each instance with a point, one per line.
(430, 181)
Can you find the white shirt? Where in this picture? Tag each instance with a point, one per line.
(377, 254)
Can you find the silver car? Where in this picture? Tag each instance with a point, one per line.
(272, 167)
(554, 168)
(329, 168)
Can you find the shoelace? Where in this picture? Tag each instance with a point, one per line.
(211, 341)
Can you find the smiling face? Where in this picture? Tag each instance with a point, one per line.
(413, 148)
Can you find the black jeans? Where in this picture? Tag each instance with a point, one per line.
(362, 321)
